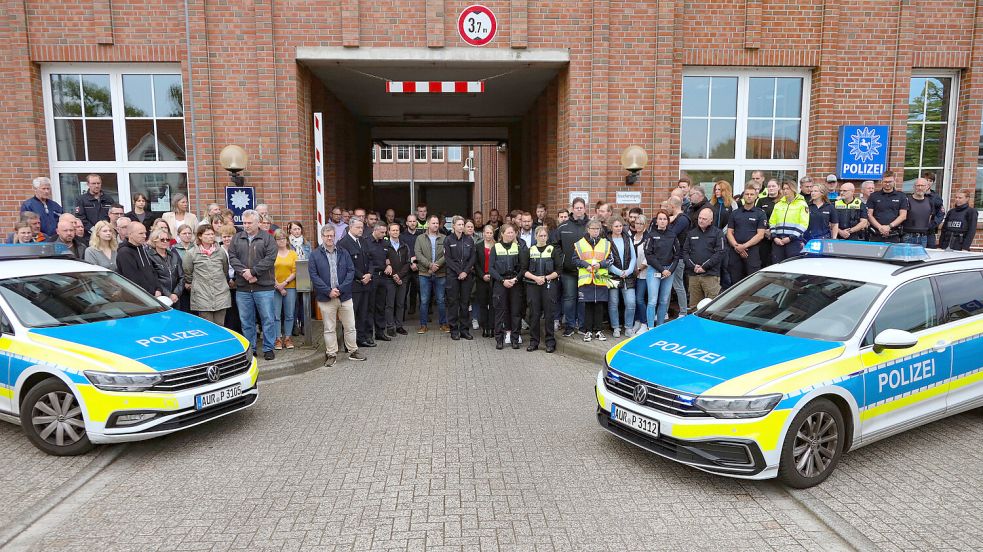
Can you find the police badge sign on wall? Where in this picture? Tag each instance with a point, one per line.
(863, 152)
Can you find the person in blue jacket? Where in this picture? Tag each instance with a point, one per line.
(332, 273)
(41, 203)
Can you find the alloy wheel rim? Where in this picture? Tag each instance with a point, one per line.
(57, 418)
(815, 444)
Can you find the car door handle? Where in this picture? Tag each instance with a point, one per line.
(941, 345)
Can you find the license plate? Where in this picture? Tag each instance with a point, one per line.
(634, 421)
(206, 400)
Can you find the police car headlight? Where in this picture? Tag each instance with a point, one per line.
(122, 382)
(738, 407)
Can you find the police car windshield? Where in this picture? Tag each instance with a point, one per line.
(801, 305)
(48, 300)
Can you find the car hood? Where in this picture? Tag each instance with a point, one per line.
(160, 341)
(695, 355)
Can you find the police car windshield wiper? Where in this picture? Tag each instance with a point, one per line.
(50, 325)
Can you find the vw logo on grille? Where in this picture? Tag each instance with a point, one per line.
(641, 394)
(213, 375)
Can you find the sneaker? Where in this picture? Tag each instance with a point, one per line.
(568, 332)
(401, 330)
(634, 328)
(355, 355)
(556, 325)
(329, 360)
(508, 337)
(518, 339)
(587, 337)
(278, 344)
(268, 355)
(629, 332)
(422, 330)
(474, 324)
(288, 343)
(600, 336)
(617, 332)
(445, 328)
(642, 330)
(682, 314)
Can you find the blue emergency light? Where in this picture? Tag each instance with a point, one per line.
(41, 250)
(889, 252)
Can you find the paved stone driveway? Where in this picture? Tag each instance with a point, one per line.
(437, 445)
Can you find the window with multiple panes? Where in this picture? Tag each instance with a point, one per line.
(454, 154)
(420, 154)
(124, 123)
(931, 116)
(436, 153)
(385, 153)
(402, 153)
(736, 122)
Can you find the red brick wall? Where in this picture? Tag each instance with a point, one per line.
(622, 86)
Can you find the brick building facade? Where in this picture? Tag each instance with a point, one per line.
(569, 85)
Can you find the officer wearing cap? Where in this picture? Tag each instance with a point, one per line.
(886, 212)
(851, 213)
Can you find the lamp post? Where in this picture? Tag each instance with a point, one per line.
(234, 159)
(633, 160)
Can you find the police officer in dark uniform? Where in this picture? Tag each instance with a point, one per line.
(357, 247)
(745, 231)
(851, 213)
(938, 209)
(959, 226)
(542, 263)
(823, 222)
(379, 286)
(459, 255)
(408, 237)
(886, 211)
(394, 278)
(93, 205)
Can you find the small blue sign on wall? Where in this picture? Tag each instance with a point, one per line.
(239, 199)
(863, 151)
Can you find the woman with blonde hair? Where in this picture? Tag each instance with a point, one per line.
(180, 215)
(206, 270)
(284, 276)
(23, 233)
(102, 246)
(823, 222)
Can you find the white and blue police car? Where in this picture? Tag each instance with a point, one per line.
(802, 361)
(88, 357)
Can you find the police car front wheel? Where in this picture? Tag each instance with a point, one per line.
(813, 445)
(52, 419)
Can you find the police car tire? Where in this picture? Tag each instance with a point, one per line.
(50, 385)
(787, 471)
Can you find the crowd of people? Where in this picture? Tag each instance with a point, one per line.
(504, 275)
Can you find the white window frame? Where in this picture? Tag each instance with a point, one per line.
(382, 154)
(950, 131)
(374, 155)
(122, 167)
(416, 150)
(460, 153)
(437, 154)
(740, 164)
(409, 154)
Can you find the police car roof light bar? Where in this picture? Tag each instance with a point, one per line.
(11, 251)
(888, 252)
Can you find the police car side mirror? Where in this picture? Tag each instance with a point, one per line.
(894, 339)
(165, 300)
(703, 303)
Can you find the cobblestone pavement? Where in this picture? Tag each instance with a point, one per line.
(440, 445)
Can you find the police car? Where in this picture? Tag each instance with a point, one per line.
(88, 357)
(795, 365)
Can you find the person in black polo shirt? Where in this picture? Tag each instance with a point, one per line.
(919, 221)
(745, 230)
(851, 213)
(823, 223)
(886, 211)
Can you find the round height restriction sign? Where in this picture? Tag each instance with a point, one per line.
(477, 25)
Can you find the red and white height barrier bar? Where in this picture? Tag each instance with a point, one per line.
(435, 87)
(319, 171)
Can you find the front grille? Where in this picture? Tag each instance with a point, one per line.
(193, 417)
(659, 398)
(195, 376)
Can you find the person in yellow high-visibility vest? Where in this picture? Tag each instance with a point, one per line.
(592, 261)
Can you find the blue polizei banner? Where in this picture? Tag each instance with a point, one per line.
(862, 152)
(239, 199)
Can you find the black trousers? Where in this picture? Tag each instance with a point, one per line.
(541, 301)
(764, 249)
(384, 304)
(363, 320)
(412, 293)
(741, 267)
(508, 310)
(594, 315)
(483, 302)
(457, 294)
